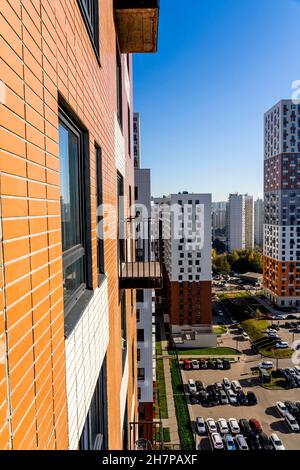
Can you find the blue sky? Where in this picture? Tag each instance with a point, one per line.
(221, 64)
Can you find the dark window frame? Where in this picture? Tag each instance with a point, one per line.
(99, 202)
(91, 23)
(82, 250)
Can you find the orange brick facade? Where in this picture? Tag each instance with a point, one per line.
(46, 52)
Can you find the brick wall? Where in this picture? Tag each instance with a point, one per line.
(46, 51)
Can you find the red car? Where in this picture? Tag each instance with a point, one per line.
(187, 365)
(255, 426)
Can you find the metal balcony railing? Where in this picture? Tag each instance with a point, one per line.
(141, 262)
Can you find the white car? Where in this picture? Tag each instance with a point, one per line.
(276, 442)
(245, 335)
(192, 386)
(292, 423)
(217, 441)
(241, 442)
(195, 364)
(281, 408)
(234, 426)
(226, 383)
(232, 397)
(279, 317)
(223, 427)
(282, 345)
(220, 313)
(266, 365)
(236, 385)
(270, 330)
(211, 425)
(200, 425)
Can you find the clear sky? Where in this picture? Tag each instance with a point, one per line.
(221, 64)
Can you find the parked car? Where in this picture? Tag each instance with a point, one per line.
(265, 441)
(194, 400)
(277, 443)
(246, 336)
(211, 425)
(219, 364)
(192, 386)
(226, 383)
(234, 426)
(292, 423)
(217, 442)
(203, 364)
(236, 385)
(254, 441)
(266, 365)
(282, 345)
(281, 408)
(218, 386)
(195, 364)
(241, 397)
(297, 370)
(229, 442)
(200, 425)
(223, 397)
(226, 364)
(291, 317)
(291, 371)
(199, 385)
(210, 364)
(203, 397)
(187, 365)
(292, 407)
(241, 442)
(232, 397)
(251, 398)
(223, 427)
(245, 427)
(255, 426)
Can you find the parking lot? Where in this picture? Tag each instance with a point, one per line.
(264, 411)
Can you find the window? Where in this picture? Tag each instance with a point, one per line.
(73, 221)
(140, 295)
(138, 354)
(121, 241)
(138, 314)
(129, 131)
(123, 328)
(141, 373)
(119, 88)
(136, 193)
(90, 13)
(100, 233)
(95, 432)
(140, 335)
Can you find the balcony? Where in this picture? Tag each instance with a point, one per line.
(137, 25)
(141, 254)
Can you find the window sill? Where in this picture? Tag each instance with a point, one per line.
(101, 278)
(76, 312)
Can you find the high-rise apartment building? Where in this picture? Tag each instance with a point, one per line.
(144, 306)
(68, 341)
(258, 222)
(187, 256)
(136, 140)
(240, 222)
(282, 204)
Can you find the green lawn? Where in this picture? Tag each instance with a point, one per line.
(166, 435)
(161, 389)
(256, 328)
(221, 351)
(220, 330)
(182, 414)
(158, 348)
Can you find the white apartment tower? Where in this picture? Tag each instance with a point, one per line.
(258, 222)
(187, 255)
(240, 220)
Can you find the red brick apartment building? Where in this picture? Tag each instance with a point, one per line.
(68, 375)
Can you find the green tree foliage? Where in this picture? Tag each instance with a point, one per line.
(240, 261)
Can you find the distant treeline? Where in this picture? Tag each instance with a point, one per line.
(240, 261)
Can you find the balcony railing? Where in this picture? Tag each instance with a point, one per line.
(137, 25)
(141, 267)
(146, 435)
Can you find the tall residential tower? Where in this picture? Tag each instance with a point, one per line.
(282, 204)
